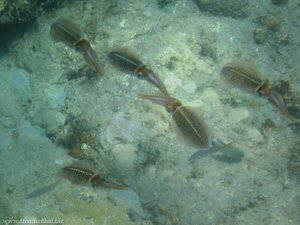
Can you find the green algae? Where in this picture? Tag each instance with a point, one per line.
(74, 210)
(237, 8)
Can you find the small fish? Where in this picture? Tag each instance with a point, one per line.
(129, 63)
(83, 172)
(228, 152)
(188, 123)
(216, 146)
(65, 31)
(42, 190)
(244, 76)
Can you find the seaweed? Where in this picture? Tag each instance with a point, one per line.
(293, 165)
(16, 17)
(163, 3)
(80, 140)
(246, 204)
(147, 155)
(237, 8)
(280, 2)
(269, 30)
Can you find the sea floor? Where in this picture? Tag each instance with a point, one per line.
(51, 114)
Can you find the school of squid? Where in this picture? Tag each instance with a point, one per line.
(188, 123)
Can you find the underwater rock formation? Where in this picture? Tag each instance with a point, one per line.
(16, 16)
(21, 11)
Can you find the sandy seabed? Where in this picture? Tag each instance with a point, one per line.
(45, 99)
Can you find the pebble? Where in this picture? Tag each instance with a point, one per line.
(254, 136)
(239, 114)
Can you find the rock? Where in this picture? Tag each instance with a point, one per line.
(15, 92)
(112, 134)
(172, 82)
(260, 36)
(254, 136)
(10, 104)
(59, 95)
(48, 119)
(210, 95)
(125, 157)
(239, 114)
(7, 142)
(121, 127)
(20, 82)
(129, 200)
(190, 87)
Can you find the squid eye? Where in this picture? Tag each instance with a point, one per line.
(169, 110)
(259, 94)
(139, 75)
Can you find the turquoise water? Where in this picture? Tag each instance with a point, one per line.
(56, 110)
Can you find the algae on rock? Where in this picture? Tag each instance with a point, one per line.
(237, 8)
(74, 210)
